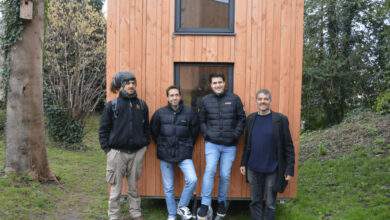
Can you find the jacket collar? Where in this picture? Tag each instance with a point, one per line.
(275, 117)
(179, 109)
(123, 94)
(219, 95)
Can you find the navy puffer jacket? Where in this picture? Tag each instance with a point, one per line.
(175, 132)
(222, 118)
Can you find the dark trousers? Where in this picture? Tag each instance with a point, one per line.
(263, 195)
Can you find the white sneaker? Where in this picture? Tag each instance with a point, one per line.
(184, 212)
(171, 218)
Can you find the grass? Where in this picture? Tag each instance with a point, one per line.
(82, 174)
(353, 185)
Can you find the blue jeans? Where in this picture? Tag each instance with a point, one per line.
(167, 172)
(225, 155)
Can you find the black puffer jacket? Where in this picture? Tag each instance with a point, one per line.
(175, 132)
(222, 118)
(128, 128)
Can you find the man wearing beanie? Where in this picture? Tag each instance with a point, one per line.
(124, 135)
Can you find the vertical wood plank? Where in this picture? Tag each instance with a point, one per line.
(286, 84)
(188, 48)
(219, 49)
(255, 41)
(284, 79)
(177, 48)
(168, 47)
(124, 42)
(138, 41)
(183, 51)
(117, 38)
(143, 52)
(150, 80)
(248, 55)
(263, 49)
(204, 48)
(111, 43)
(198, 48)
(139, 60)
(132, 35)
(240, 46)
(276, 54)
(269, 37)
(232, 49)
(158, 88)
(212, 47)
(297, 87)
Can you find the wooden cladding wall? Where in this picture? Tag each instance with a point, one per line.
(266, 52)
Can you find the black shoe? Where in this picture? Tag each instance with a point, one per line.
(202, 212)
(221, 211)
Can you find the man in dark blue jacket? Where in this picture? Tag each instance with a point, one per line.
(268, 158)
(174, 129)
(222, 121)
(124, 135)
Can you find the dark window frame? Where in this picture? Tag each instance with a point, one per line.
(204, 31)
(230, 71)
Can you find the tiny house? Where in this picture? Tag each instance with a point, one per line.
(255, 43)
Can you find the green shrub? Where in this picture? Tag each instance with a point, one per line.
(64, 130)
(314, 119)
(382, 103)
(3, 119)
(322, 151)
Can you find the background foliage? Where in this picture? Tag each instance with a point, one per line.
(346, 58)
(74, 66)
(11, 27)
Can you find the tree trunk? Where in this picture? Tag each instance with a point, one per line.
(25, 136)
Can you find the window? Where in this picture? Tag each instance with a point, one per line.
(204, 16)
(193, 79)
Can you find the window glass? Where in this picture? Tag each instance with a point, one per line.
(204, 15)
(193, 80)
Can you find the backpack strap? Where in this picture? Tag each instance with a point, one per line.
(114, 107)
(142, 104)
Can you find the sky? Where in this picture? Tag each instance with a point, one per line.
(104, 9)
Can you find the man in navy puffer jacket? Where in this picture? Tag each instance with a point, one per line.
(175, 128)
(222, 121)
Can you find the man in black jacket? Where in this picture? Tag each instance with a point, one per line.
(124, 135)
(268, 158)
(222, 121)
(174, 129)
